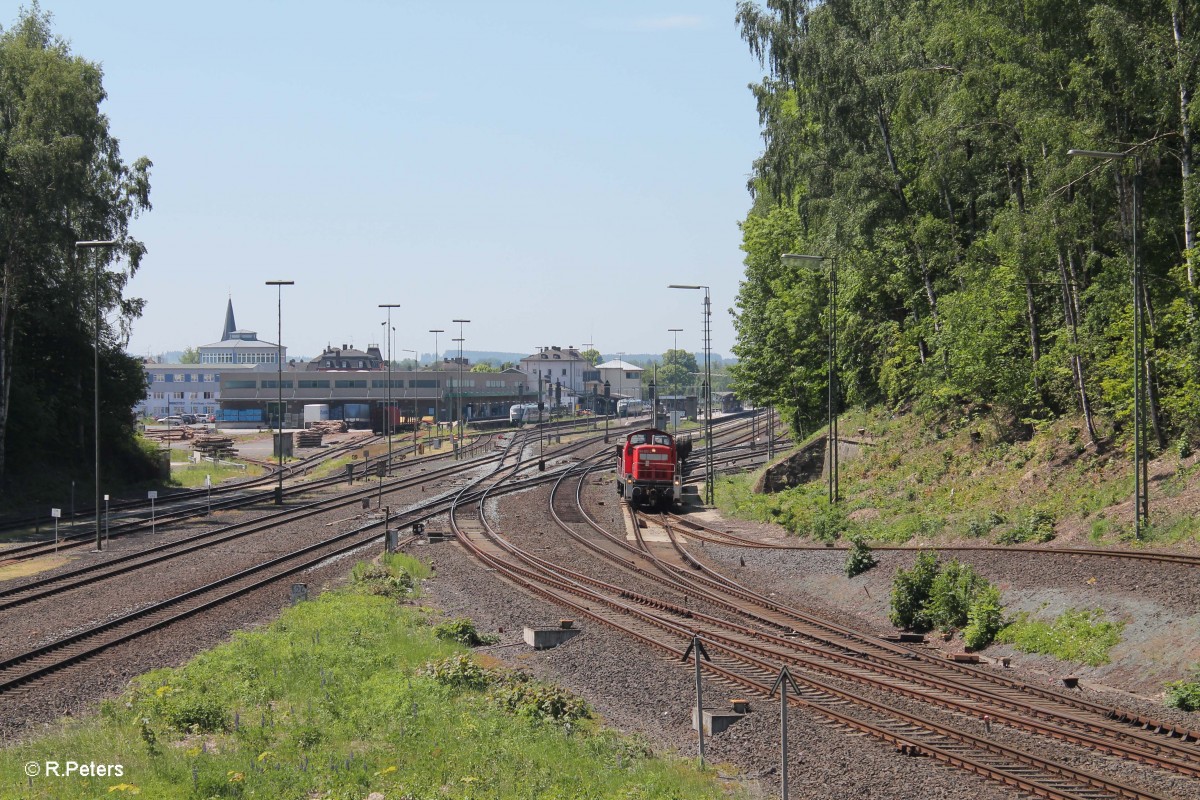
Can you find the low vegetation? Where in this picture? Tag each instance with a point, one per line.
(191, 475)
(1078, 635)
(462, 630)
(348, 694)
(859, 557)
(947, 597)
(1185, 695)
(972, 474)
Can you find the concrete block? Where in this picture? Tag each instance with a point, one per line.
(716, 721)
(543, 638)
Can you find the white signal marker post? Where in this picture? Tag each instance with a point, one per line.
(781, 684)
(208, 486)
(106, 521)
(698, 647)
(56, 513)
(152, 495)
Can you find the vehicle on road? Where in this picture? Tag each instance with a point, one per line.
(169, 420)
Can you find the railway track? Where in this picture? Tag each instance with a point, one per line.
(830, 656)
(22, 671)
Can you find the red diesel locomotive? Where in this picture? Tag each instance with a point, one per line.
(650, 467)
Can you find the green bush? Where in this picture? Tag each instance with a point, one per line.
(1185, 695)
(380, 580)
(950, 595)
(985, 618)
(829, 523)
(910, 592)
(462, 630)
(1037, 527)
(520, 695)
(460, 672)
(859, 558)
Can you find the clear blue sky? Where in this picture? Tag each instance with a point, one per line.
(543, 169)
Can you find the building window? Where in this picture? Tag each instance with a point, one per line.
(275, 384)
(177, 395)
(346, 384)
(208, 395)
(425, 383)
(241, 385)
(314, 384)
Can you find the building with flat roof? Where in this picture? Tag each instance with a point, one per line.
(360, 396)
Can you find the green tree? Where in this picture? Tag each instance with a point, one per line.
(190, 356)
(924, 145)
(62, 180)
(591, 356)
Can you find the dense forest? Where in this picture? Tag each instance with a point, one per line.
(62, 180)
(922, 149)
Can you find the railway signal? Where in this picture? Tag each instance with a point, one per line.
(698, 647)
(781, 684)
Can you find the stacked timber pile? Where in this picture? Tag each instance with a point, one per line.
(329, 426)
(177, 434)
(214, 445)
(308, 438)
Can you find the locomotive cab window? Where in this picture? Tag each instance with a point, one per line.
(637, 438)
(663, 440)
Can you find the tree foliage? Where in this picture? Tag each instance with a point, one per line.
(922, 147)
(62, 180)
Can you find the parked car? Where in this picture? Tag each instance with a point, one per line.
(169, 420)
(188, 419)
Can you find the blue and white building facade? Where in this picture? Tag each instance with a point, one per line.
(174, 389)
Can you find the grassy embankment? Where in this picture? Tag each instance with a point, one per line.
(974, 477)
(345, 695)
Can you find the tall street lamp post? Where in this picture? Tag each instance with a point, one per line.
(461, 426)
(793, 259)
(621, 378)
(607, 394)
(1141, 460)
(387, 419)
(709, 472)
(416, 414)
(279, 380)
(92, 245)
(675, 384)
(437, 357)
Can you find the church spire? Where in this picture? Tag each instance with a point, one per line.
(230, 325)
